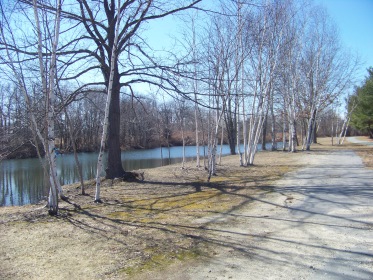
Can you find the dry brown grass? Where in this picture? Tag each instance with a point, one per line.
(140, 225)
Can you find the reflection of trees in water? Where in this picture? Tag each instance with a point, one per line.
(21, 180)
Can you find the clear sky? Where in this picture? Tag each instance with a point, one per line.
(354, 19)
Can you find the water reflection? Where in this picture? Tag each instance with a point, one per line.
(22, 180)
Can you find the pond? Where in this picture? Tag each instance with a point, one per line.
(22, 180)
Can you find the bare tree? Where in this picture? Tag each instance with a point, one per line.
(351, 106)
(47, 78)
(289, 77)
(180, 113)
(98, 19)
(264, 57)
(113, 63)
(326, 69)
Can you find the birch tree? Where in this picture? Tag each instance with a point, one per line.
(47, 79)
(289, 76)
(215, 73)
(180, 112)
(194, 46)
(49, 91)
(326, 68)
(351, 104)
(263, 60)
(227, 58)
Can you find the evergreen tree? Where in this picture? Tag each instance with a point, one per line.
(362, 117)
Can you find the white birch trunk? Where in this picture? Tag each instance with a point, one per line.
(198, 163)
(345, 131)
(18, 74)
(182, 136)
(107, 105)
(221, 145)
(339, 137)
(214, 140)
(258, 132)
(292, 136)
(251, 136)
(283, 132)
(239, 135)
(55, 186)
(273, 132)
(345, 125)
(240, 68)
(195, 89)
(244, 131)
(310, 129)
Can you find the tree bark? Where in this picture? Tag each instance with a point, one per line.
(110, 108)
(310, 129)
(264, 133)
(114, 165)
(273, 128)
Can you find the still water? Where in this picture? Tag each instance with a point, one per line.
(22, 180)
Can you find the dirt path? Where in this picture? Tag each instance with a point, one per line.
(317, 224)
(360, 140)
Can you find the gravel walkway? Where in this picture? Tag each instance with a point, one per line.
(317, 224)
(358, 141)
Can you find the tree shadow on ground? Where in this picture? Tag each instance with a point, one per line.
(179, 216)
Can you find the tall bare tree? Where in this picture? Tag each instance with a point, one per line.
(326, 69)
(46, 78)
(263, 62)
(135, 63)
(113, 63)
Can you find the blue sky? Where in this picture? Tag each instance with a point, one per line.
(354, 19)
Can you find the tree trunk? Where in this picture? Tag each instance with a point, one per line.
(183, 138)
(230, 124)
(343, 132)
(284, 132)
(273, 129)
(239, 135)
(114, 165)
(310, 129)
(221, 145)
(315, 128)
(112, 107)
(293, 141)
(264, 133)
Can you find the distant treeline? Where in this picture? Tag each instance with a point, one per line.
(145, 123)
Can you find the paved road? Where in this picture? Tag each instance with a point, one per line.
(318, 224)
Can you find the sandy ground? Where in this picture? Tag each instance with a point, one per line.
(316, 222)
